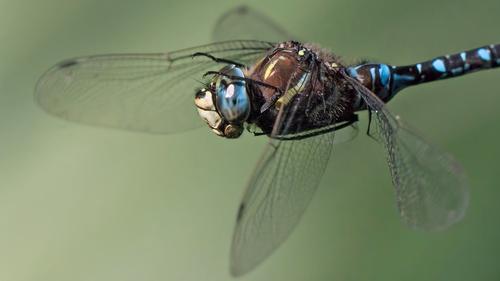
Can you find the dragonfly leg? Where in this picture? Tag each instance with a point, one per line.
(251, 81)
(217, 60)
(369, 121)
(368, 133)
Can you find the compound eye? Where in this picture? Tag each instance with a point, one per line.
(232, 98)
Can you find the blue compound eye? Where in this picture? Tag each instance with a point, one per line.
(232, 99)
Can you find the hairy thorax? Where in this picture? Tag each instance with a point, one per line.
(304, 82)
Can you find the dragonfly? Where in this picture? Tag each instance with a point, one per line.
(258, 78)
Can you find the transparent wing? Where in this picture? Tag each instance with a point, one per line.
(279, 192)
(346, 134)
(431, 188)
(244, 22)
(140, 92)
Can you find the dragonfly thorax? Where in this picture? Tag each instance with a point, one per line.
(303, 80)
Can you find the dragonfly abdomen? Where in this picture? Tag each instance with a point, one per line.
(386, 80)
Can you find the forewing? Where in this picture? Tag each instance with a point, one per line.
(244, 22)
(141, 92)
(431, 188)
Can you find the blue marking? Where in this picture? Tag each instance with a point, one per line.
(352, 72)
(439, 65)
(419, 68)
(403, 78)
(498, 61)
(463, 55)
(484, 54)
(385, 75)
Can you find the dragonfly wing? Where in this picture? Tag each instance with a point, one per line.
(140, 92)
(279, 192)
(244, 22)
(346, 134)
(431, 187)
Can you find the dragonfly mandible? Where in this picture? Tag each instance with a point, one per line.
(297, 94)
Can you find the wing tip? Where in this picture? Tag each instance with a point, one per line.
(240, 262)
(448, 219)
(242, 9)
(237, 268)
(68, 63)
(40, 96)
(236, 271)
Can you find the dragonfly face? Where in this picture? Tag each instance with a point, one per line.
(225, 104)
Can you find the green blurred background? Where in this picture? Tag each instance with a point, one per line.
(86, 203)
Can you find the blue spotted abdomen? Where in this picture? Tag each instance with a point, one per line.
(385, 80)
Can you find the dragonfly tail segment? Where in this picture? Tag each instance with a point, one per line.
(386, 80)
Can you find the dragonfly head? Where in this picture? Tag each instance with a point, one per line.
(225, 105)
